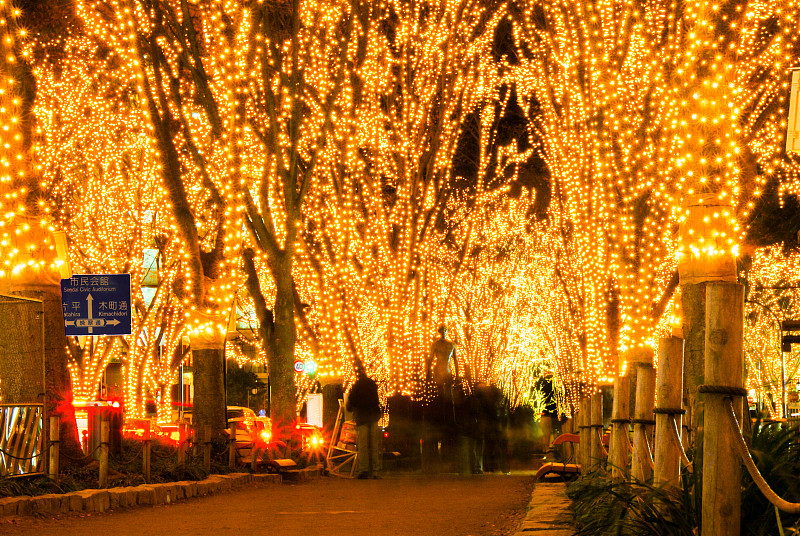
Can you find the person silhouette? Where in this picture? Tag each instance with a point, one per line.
(364, 402)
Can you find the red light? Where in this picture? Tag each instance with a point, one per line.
(386, 434)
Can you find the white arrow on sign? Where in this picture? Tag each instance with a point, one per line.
(90, 322)
(89, 301)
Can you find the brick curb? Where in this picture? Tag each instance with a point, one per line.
(548, 512)
(101, 500)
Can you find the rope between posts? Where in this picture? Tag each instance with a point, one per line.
(669, 411)
(170, 452)
(129, 462)
(603, 450)
(677, 438)
(648, 453)
(646, 422)
(88, 455)
(31, 457)
(620, 421)
(722, 390)
(744, 452)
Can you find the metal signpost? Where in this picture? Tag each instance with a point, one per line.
(97, 304)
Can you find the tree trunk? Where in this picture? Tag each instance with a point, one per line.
(693, 296)
(209, 387)
(724, 366)
(58, 383)
(283, 392)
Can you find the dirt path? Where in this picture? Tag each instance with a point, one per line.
(402, 505)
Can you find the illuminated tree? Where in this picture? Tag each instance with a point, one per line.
(236, 100)
(772, 297)
(378, 209)
(28, 261)
(638, 107)
(101, 181)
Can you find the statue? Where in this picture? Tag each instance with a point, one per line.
(439, 422)
(443, 354)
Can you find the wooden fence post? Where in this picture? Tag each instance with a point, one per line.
(620, 424)
(183, 438)
(668, 413)
(207, 449)
(103, 477)
(232, 446)
(586, 442)
(146, 455)
(546, 426)
(724, 364)
(55, 440)
(579, 430)
(596, 431)
(569, 451)
(643, 420)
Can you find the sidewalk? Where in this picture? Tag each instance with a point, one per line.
(548, 512)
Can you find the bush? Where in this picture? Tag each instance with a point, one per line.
(604, 507)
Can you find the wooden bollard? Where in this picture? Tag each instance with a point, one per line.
(568, 451)
(596, 431)
(579, 431)
(254, 458)
(146, 458)
(55, 440)
(643, 420)
(669, 393)
(183, 439)
(724, 363)
(586, 444)
(546, 426)
(620, 425)
(103, 476)
(207, 449)
(232, 446)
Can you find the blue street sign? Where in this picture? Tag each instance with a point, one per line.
(97, 304)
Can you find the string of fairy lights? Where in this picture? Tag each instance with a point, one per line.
(644, 120)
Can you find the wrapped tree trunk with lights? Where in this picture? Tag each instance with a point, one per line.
(238, 100)
(104, 194)
(30, 266)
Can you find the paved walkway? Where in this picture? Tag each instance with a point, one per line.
(548, 512)
(397, 505)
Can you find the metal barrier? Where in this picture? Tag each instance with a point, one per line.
(21, 439)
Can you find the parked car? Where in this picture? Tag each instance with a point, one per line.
(243, 421)
(264, 428)
(248, 426)
(311, 436)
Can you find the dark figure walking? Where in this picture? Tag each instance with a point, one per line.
(364, 403)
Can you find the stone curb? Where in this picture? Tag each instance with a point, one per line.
(548, 512)
(101, 500)
(302, 475)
